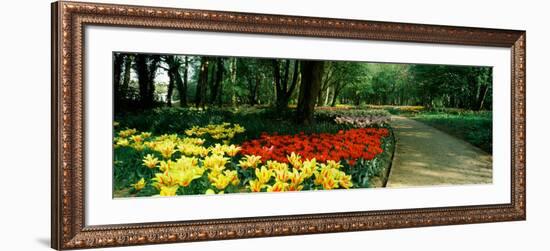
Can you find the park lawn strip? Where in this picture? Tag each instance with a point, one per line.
(472, 127)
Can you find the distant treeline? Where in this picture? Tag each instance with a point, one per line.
(143, 81)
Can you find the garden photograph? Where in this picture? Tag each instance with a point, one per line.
(212, 125)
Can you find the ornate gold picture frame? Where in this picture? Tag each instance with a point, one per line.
(69, 230)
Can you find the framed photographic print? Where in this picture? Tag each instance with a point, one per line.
(175, 125)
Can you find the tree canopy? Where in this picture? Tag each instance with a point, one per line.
(143, 81)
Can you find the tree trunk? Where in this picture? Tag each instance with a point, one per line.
(336, 93)
(283, 91)
(146, 88)
(325, 102)
(233, 81)
(117, 71)
(279, 95)
(483, 94)
(152, 72)
(218, 78)
(172, 79)
(325, 87)
(312, 73)
(182, 85)
(202, 83)
(126, 77)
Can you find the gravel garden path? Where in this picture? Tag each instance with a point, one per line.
(426, 156)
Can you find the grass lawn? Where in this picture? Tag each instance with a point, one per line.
(473, 127)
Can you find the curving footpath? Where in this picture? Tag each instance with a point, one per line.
(426, 156)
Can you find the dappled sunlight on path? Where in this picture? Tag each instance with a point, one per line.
(426, 156)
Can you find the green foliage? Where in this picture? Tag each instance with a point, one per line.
(473, 127)
(467, 87)
(255, 120)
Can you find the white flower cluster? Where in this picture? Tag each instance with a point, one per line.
(363, 121)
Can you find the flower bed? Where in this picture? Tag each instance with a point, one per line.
(348, 145)
(202, 161)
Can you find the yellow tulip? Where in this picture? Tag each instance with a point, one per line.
(282, 175)
(278, 187)
(319, 179)
(222, 131)
(310, 164)
(334, 164)
(263, 174)
(296, 178)
(251, 161)
(145, 135)
(215, 161)
(192, 141)
(166, 149)
(126, 133)
(185, 163)
(233, 176)
(136, 138)
(183, 177)
(294, 187)
(168, 190)
(151, 144)
(295, 160)
(122, 142)
(329, 183)
(191, 131)
(193, 150)
(218, 149)
(255, 186)
(345, 181)
(221, 181)
(138, 146)
(274, 165)
(238, 129)
(166, 165)
(308, 168)
(163, 179)
(150, 161)
(168, 137)
(139, 185)
(232, 150)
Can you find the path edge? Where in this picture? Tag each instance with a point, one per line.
(389, 171)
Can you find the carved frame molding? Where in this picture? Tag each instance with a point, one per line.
(68, 22)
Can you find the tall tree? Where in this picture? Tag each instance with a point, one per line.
(174, 78)
(182, 85)
(284, 87)
(202, 83)
(233, 77)
(216, 91)
(312, 74)
(118, 63)
(252, 73)
(324, 91)
(128, 60)
(253, 87)
(345, 74)
(146, 69)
